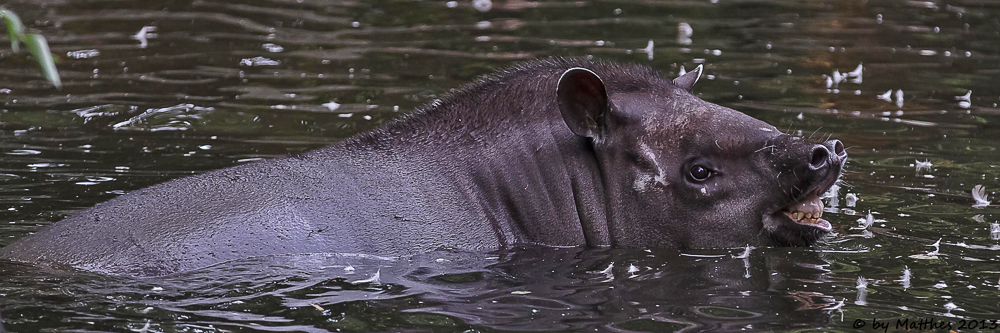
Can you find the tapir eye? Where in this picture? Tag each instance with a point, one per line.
(699, 173)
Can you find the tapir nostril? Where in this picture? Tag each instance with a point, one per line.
(820, 155)
(838, 148)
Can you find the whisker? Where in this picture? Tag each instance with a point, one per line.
(814, 132)
(765, 147)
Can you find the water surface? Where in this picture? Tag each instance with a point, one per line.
(156, 90)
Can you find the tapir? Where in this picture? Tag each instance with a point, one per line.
(558, 152)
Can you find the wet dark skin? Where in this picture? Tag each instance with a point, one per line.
(560, 152)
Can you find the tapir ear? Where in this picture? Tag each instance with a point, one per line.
(583, 101)
(688, 80)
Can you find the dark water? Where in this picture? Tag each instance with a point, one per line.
(219, 83)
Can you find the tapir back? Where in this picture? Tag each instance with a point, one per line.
(321, 202)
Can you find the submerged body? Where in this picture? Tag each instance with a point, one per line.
(555, 152)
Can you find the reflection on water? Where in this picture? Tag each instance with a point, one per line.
(554, 289)
(155, 90)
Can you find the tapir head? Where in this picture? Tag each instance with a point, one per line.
(680, 172)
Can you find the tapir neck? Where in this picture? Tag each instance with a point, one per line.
(512, 154)
(540, 183)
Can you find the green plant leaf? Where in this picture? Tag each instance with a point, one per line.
(14, 28)
(39, 48)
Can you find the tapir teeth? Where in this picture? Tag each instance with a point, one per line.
(809, 210)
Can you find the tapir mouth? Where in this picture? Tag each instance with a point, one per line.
(808, 211)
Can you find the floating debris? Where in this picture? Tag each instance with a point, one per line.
(83, 54)
(317, 307)
(925, 165)
(856, 74)
(851, 199)
(967, 97)
(838, 307)
(374, 280)
(995, 231)
(520, 292)
(951, 306)
(746, 260)
(937, 248)
(905, 279)
(648, 49)
(273, 48)
(332, 106)
(684, 33)
(899, 98)
(862, 291)
(865, 222)
(979, 193)
(932, 254)
(607, 272)
(832, 196)
(259, 61)
(144, 329)
(144, 34)
(482, 5)
(887, 96)
(745, 254)
(941, 285)
(632, 269)
(837, 77)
